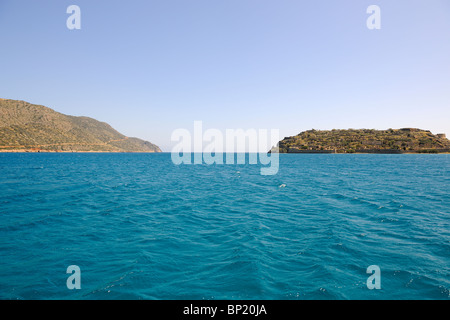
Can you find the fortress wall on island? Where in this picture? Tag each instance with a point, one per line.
(296, 150)
(382, 151)
(370, 141)
(372, 151)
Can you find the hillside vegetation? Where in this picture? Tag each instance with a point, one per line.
(406, 140)
(29, 127)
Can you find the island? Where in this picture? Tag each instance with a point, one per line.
(26, 127)
(404, 140)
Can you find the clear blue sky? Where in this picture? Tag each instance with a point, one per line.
(149, 67)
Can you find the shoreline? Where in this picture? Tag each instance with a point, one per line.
(50, 151)
(161, 152)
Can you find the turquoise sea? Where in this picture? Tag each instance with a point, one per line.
(140, 227)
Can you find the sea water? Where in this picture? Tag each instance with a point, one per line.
(140, 227)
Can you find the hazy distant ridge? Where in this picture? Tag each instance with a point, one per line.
(29, 127)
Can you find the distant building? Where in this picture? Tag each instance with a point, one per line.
(441, 135)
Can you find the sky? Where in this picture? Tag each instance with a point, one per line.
(149, 67)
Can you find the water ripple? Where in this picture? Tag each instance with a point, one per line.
(140, 227)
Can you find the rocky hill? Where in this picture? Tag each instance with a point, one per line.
(406, 140)
(29, 127)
